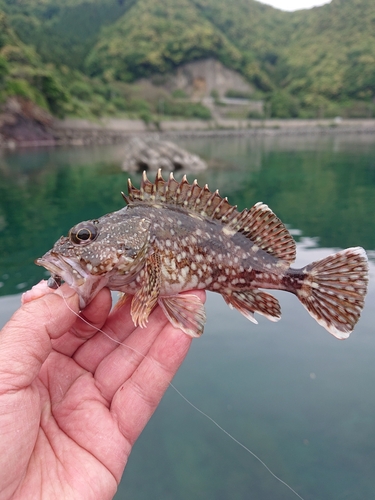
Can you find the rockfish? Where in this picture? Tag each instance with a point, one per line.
(174, 237)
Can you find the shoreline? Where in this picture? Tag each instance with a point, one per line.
(106, 131)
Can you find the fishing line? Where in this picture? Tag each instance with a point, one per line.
(190, 403)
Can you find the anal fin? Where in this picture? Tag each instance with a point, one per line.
(185, 312)
(254, 301)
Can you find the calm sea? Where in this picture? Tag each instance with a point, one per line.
(301, 400)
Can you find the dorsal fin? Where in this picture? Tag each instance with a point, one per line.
(259, 224)
(267, 231)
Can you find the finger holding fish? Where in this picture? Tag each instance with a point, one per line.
(111, 337)
(145, 388)
(89, 321)
(139, 347)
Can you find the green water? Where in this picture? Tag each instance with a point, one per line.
(297, 397)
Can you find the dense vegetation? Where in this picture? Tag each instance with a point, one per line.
(80, 57)
(23, 73)
(154, 38)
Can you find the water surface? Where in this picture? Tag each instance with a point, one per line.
(300, 399)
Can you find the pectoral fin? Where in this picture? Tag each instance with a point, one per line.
(185, 312)
(147, 295)
(253, 301)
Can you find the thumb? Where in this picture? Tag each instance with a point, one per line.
(25, 341)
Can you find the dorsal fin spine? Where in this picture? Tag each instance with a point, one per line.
(217, 209)
(226, 216)
(126, 198)
(210, 200)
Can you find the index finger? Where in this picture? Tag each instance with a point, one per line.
(88, 323)
(115, 356)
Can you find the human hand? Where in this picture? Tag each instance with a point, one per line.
(73, 401)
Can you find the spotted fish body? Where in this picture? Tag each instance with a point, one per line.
(174, 237)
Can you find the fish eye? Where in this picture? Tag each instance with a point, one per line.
(83, 233)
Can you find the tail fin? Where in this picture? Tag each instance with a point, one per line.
(334, 290)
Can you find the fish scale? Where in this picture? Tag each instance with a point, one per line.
(174, 237)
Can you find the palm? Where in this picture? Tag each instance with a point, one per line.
(81, 415)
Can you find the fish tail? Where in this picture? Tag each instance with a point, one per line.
(334, 289)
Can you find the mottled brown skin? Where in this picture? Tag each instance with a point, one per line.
(194, 252)
(199, 253)
(174, 237)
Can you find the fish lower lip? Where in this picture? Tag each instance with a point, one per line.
(77, 277)
(61, 270)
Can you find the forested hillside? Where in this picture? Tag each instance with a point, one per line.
(22, 72)
(63, 32)
(81, 56)
(155, 37)
(330, 57)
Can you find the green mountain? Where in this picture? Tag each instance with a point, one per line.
(315, 59)
(332, 51)
(155, 37)
(63, 32)
(22, 72)
(317, 62)
(26, 70)
(256, 29)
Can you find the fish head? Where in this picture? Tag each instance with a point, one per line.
(97, 252)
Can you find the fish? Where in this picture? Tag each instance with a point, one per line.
(174, 237)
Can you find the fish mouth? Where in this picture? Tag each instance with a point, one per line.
(71, 271)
